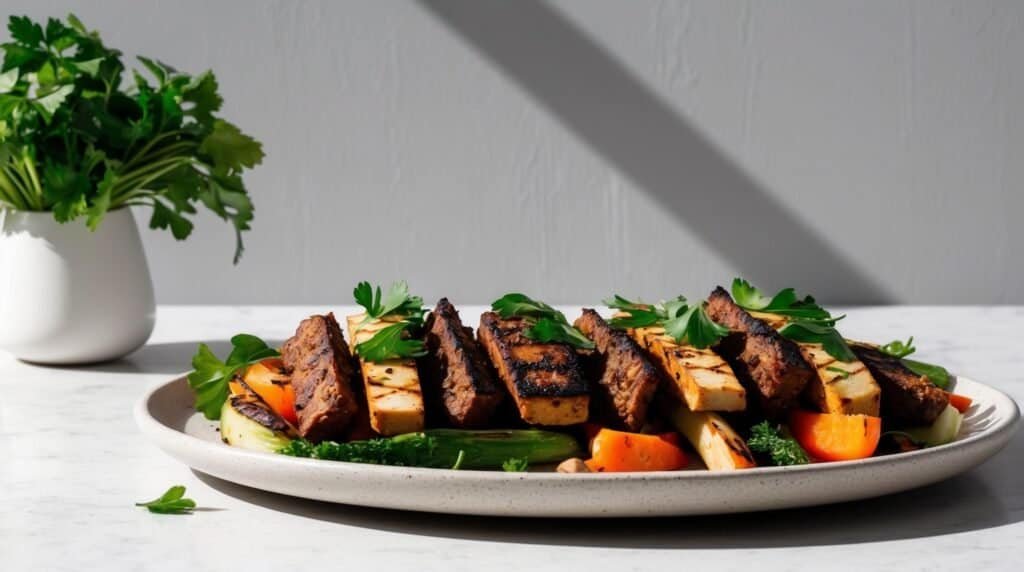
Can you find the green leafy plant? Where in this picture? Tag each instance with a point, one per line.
(686, 323)
(171, 502)
(769, 440)
(397, 340)
(545, 324)
(77, 141)
(784, 303)
(819, 333)
(210, 376)
(937, 374)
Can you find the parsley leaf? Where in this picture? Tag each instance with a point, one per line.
(210, 376)
(516, 465)
(685, 323)
(392, 342)
(77, 140)
(842, 373)
(410, 450)
(898, 349)
(171, 502)
(768, 440)
(784, 303)
(544, 323)
(937, 374)
(397, 301)
(819, 333)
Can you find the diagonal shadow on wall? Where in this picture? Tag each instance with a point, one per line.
(596, 97)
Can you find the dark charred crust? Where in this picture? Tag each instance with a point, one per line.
(458, 380)
(552, 371)
(906, 397)
(627, 381)
(769, 364)
(324, 377)
(250, 406)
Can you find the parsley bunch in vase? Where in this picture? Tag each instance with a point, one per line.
(84, 141)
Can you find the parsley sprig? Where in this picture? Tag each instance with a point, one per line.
(937, 374)
(171, 502)
(515, 465)
(75, 141)
(210, 376)
(784, 303)
(684, 322)
(545, 324)
(769, 440)
(819, 333)
(394, 341)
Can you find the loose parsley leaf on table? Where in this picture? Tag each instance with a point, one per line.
(768, 439)
(544, 323)
(171, 502)
(210, 376)
(684, 322)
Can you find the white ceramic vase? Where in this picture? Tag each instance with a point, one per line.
(69, 295)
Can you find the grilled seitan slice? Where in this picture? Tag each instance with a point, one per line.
(840, 387)
(393, 394)
(699, 377)
(627, 380)
(457, 376)
(774, 364)
(718, 444)
(323, 376)
(544, 379)
(906, 397)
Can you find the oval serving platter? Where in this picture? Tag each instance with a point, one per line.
(166, 416)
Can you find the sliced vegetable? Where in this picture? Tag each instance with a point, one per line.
(269, 380)
(718, 445)
(243, 424)
(836, 437)
(961, 402)
(441, 448)
(943, 430)
(620, 451)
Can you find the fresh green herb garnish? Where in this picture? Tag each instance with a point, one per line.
(899, 349)
(768, 439)
(937, 374)
(516, 465)
(397, 301)
(842, 372)
(411, 450)
(391, 342)
(459, 460)
(684, 322)
(784, 303)
(210, 376)
(171, 502)
(76, 142)
(819, 333)
(544, 323)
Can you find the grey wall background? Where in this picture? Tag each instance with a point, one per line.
(866, 152)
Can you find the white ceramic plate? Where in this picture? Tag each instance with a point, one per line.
(166, 416)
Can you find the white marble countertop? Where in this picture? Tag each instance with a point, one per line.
(72, 463)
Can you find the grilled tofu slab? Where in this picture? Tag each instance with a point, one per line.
(457, 376)
(841, 387)
(774, 365)
(393, 394)
(323, 376)
(717, 443)
(906, 397)
(626, 379)
(544, 379)
(698, 377)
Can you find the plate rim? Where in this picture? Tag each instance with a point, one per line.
(156, 431)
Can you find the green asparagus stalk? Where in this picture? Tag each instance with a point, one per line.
(441, 448)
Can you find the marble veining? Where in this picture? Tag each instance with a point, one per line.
(72, 463)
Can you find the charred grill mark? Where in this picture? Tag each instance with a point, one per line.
(757, 353)
(555, 372)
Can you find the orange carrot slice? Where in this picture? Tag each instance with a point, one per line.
(836, 437)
